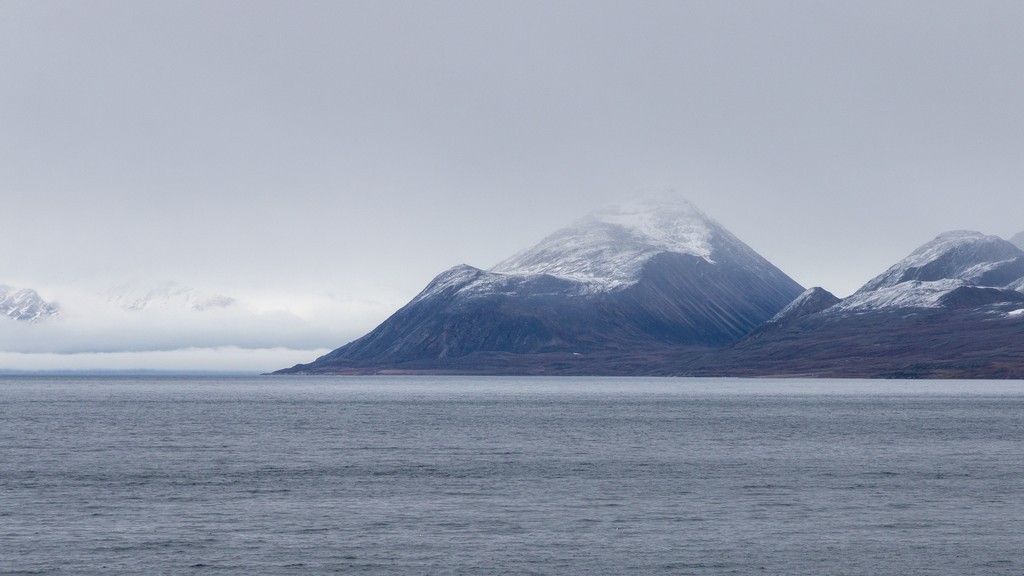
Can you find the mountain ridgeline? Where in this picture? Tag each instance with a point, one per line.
(622, 291)
(659, 288)
(954, 308)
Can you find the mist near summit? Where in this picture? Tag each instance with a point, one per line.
(317, 163)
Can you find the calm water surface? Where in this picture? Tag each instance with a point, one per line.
(510, 476)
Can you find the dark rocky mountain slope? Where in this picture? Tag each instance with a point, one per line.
(627, 290)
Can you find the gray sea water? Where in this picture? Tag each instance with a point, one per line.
(510, 476)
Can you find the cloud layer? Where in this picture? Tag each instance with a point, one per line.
(164, 325)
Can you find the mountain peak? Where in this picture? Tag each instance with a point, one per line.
(25, 305)
(608, 248)
(953, 260)
(811, 301)
(972, 257)
(671, 224)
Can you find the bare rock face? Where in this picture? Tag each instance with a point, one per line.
(616, 292)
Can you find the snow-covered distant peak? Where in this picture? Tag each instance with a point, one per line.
(966, 242)
(25, 305)
(167, 296)
(608, 248)
(953, 261)
(963, 255)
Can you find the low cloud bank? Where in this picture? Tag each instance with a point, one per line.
(169, 327)
(220, 359)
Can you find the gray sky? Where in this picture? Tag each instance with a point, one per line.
(296, 152)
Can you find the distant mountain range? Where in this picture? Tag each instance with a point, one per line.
(660, 288)
(26, 305)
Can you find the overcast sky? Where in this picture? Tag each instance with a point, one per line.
(290, 153)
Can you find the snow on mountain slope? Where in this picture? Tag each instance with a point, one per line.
(615, 287)
(912, 294)
(962, 255)
(811, 301)
(951, 261)
(607, 249)
(469, 282)
(25, 305)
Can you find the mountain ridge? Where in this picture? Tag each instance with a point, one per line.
(947, 310)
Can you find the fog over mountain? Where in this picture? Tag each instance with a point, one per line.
(319, 162)
(1018, 240)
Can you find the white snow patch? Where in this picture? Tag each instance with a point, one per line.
(449, 279)
(914, 294)
(607, 249)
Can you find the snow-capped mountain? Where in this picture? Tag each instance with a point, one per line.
(25, 305)
(625, 280)
(953, 308)
(608, 249)
(960, 261)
